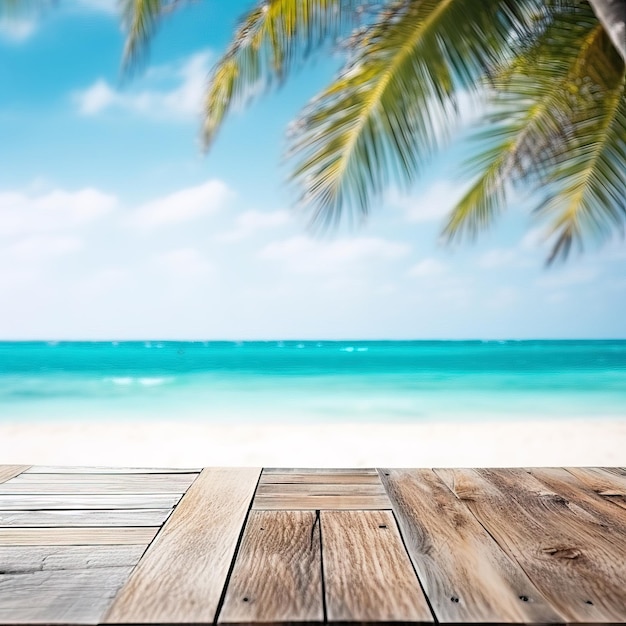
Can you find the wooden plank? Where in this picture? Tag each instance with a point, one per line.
(607, 518)
(10, 471)
(183, 573)
(86, 469)
(76, 536)
(77, 518)
(87, 501)
(465, 574)
(277, 575)
(50, 484)
(580, 573)
(618, 500)
(368, 576)
(618, 471)
(25, 559)
(287, 490)
(602, 482)
(319, 470)
(312, 503)
(325, 478)
(59, 597)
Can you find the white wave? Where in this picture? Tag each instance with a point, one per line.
(153, 381)
(362, 349)
(121, 380)
(347, 349)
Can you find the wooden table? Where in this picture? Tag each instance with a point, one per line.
(86, 545)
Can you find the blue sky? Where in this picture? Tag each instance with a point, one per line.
(114, 225)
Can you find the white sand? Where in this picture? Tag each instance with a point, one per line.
(192, 444)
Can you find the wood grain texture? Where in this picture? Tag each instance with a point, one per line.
(580, 573)
(324, 478)
(319, 470)
(367, 573)
(86, 469)
(618, 471)
(181, 577)
(50, 484)
(601, 481)
(76, 536)
(87, 501)
(26, 559)
(278, 574)
(618, 500)
(10, 471)
(605, 517)
(289, 490)
(312, 503)
(59, 597)
(465, 574)
(77, 518)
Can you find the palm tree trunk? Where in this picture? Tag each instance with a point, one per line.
(612, 15)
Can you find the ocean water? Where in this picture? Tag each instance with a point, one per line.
(312, 381)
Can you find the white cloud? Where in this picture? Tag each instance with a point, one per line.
(40, 247)
(431, 205)
(185, 205)
(301, 254)
(427, 267)
(252, 222)
(180, 99)
(17, 29)
(185, 263)
(25, 213)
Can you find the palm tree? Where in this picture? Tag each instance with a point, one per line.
(551, 74)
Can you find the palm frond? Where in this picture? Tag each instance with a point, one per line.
(587, 185)
(270, 40)
(390, 107)
(555, 126)
(140, 19)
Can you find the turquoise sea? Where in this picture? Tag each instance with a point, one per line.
(296, 381)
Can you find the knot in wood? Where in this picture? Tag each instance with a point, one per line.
(562, 553)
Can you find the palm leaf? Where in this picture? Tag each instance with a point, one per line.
(269, 42)
(140, 19)
(547, 121)
(390, 107)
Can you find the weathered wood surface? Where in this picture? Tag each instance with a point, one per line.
(580, 573)
(25, 559)
(78, 518)
(318, 502)
(76, 536)
(59, 596)
(87, 469)
(50, 484)
(87, 501)
(368, 576)
(600, 480)
(278, 574)
(307, 489)
(324, 478)
(320, 470)
(181, 577)
(465, 574)
(607, 520)
(536, 545)
(318, 489)
(10, 471)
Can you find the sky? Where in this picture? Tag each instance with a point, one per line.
(115, 225)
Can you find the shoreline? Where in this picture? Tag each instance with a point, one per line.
(574, 442)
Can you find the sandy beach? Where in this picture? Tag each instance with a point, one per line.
(194, 444)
